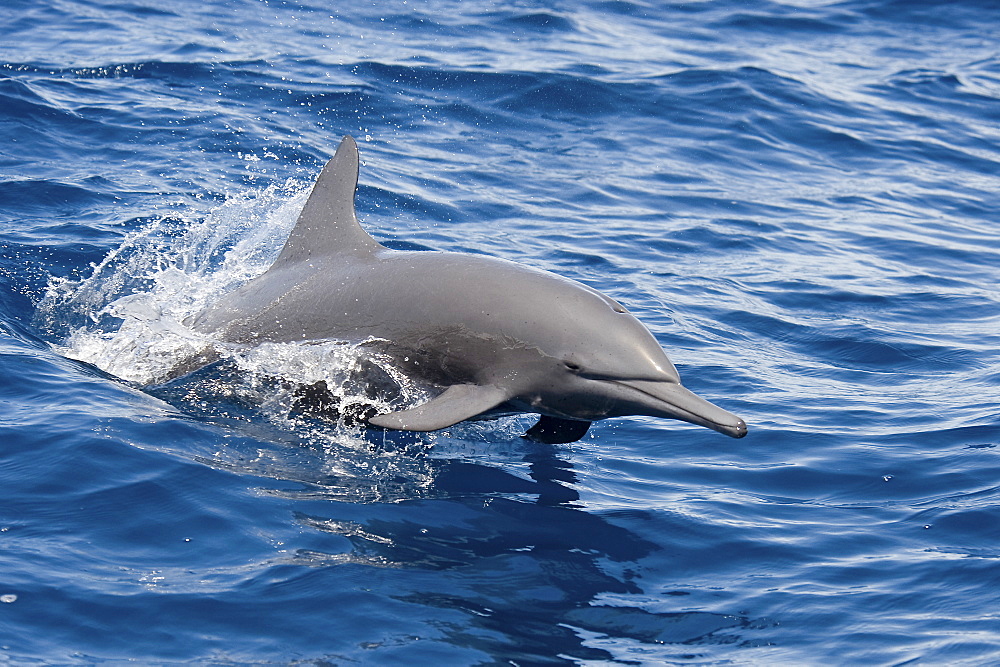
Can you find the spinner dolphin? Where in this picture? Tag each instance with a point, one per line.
(494, 335)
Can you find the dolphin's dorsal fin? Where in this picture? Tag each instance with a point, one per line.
(327, 224)
(457, 403)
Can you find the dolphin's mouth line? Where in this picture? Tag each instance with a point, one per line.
(663, 400)
(737, 430)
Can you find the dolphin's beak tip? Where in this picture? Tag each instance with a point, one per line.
(739, 429)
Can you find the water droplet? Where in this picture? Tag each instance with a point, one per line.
(8, 598)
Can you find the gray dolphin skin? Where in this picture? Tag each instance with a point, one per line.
(494, 335)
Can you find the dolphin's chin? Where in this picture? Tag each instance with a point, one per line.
(673, 401)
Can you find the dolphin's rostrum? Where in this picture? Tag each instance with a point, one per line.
(497, 336)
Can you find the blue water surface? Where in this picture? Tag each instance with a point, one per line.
(799, 198)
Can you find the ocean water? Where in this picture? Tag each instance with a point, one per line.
(800, 199)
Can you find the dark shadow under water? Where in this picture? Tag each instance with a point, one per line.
(523, 565)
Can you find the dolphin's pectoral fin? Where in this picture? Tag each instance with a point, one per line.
(457, 403)
(556, 431)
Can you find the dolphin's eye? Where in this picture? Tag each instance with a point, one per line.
(573, 366)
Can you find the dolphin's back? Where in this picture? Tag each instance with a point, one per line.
(390, 293)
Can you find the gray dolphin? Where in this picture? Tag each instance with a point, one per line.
(497, 336)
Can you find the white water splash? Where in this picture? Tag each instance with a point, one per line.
(127, 317)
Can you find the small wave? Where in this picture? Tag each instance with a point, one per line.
(544, 22)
